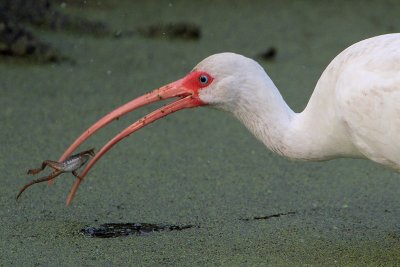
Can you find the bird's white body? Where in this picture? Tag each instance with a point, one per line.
(354, 110)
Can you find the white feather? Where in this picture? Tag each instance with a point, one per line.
(354, 110)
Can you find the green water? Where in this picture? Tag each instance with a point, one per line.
(198, 167)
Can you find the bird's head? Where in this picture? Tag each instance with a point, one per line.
(220, 80)
(233, 79)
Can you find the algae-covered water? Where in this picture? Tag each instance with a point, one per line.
(197, 167)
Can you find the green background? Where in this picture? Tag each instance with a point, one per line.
(198, 166)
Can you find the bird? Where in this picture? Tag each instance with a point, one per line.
(353, 112)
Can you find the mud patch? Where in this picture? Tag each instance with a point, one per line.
(110, 230)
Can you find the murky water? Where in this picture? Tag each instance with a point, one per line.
(196, 167)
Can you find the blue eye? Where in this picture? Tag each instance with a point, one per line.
(203, 79)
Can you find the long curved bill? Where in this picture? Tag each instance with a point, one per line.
(188, 98)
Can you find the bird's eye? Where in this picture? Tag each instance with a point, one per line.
(203, 79)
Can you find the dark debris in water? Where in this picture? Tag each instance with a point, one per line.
(179, 30)
(267, 217)
(45, 14)
(269, 54)
(18, 16)
(110, 230)
(17, 40)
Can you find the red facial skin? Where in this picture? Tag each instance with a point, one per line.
(186, 89)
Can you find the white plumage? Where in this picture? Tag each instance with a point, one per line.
(354, 110)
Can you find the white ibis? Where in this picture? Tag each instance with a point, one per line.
(353, 112)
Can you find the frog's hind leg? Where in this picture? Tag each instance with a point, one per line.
(52, 175)
(51, 163)
(76, 175)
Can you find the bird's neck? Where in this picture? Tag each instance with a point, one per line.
(314, 134)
